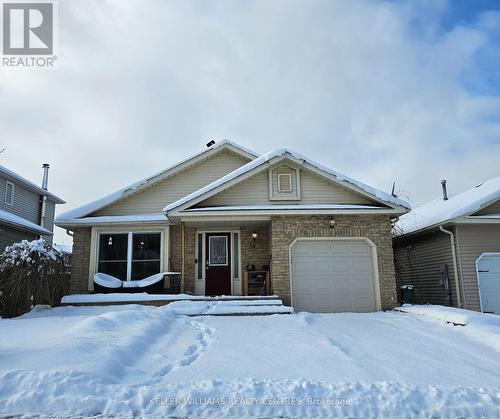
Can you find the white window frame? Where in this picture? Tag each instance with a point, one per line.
(282, 175)
(129, 247)
(13, 185)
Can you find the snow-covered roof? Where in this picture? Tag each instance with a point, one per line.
(30, 185)
(265, 158)
(439, 211)
(116, 219)
(23, 223)
(105, 201)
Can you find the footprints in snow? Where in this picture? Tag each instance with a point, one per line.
(193, 352)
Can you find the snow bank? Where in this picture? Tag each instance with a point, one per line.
(143, 296)
(197, 308)
(451, 314)
(138, 361)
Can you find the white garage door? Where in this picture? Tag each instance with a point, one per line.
(488, 271)
(333, 276)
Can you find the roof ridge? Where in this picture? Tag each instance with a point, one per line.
(277, 152)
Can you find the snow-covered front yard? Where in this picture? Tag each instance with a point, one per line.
(130, 360)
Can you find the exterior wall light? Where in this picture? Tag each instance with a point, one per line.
(331, 223)
(254, 236)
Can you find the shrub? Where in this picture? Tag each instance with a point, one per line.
(31, 273)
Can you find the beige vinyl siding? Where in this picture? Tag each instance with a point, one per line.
(253, 191)
(473, 240)
(490, 209)
(155, 198)
(418, 261)
(314, 190)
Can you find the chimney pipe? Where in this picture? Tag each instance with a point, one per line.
(445, 192)
(45, 180)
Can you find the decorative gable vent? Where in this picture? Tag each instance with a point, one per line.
(284, 182)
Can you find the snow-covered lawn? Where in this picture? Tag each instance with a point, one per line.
(133, 360)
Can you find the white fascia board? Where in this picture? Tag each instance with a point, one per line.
(388, 211)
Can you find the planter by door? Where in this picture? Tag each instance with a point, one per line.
(218, 264)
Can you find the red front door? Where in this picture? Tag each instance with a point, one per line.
(218, 264)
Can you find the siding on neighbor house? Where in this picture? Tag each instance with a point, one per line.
(26, 205)
(418, 261)
(285, 229)
(26, 202)
(474, 240)
(155, 198)
(490, 209)
(9, 235)
(314, 190)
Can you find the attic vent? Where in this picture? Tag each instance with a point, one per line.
(284, 182)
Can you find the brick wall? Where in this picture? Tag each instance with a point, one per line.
(80, 261)
(285, 229)
(255, 253)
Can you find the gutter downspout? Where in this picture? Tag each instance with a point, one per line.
(455, 269)
(43, 214)
(45, 181)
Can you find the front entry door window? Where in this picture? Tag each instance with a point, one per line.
(218, 264)
(217, 251)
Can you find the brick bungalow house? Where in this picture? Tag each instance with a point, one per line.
(323, 239)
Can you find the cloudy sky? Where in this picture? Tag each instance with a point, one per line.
(404, 91)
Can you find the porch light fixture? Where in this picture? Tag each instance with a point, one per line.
(331, 223)
(254, 236)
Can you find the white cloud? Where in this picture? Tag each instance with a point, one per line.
(374, 89)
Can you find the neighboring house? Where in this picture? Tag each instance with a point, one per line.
(26, 210)
(325, 237)
(449, 249)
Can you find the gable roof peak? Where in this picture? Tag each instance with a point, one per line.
(279, 152)
(111, 198)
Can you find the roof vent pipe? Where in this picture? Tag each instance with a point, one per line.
(445, 191)
(45, 180)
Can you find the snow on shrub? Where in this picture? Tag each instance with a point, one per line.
(31, 273)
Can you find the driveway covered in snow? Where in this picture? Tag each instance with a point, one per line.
(132, 360)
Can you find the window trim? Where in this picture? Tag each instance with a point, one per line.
(130, 234)
(289, 176)
(13, 185)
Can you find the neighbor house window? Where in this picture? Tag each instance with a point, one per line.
(9, 193)
(284, 182)
(129, 256)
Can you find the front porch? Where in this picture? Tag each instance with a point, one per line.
(222, 257)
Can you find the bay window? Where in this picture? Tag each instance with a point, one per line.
(129, 256)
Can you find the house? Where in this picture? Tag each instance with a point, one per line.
(449, 249)
(26, 210)
(324, 237)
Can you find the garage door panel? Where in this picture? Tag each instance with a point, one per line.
(489, 282)
(333, 276)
